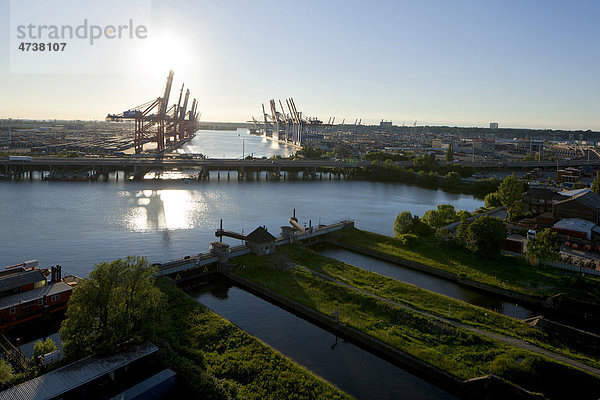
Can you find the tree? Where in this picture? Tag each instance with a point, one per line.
(510, 193)
(544, 247)
(453, 180)
(42, 347)
(596, 183)
(425, 163)
(492, 200)
(442, 216)
(403, 223)
(117, 303)
(450, 153)
(484, 236)
(6, 371)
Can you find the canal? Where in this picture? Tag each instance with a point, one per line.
(428, 282)
(349, 367)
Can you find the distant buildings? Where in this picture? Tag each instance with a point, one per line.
(493, 125)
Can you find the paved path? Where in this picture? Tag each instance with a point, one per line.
(509, 340)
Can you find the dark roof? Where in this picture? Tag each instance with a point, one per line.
(35, 294)
(541, 193)
(63, 380)
(9, 282)
(260, 235)
(588, 199)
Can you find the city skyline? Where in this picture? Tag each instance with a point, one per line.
(467, 64)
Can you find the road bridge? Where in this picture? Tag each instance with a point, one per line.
(139, 166)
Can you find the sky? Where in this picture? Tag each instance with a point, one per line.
(529, 64)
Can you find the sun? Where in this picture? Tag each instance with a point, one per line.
(163, 51)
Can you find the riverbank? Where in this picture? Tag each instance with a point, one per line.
(218, 360)
(451, 351)
(506, 273)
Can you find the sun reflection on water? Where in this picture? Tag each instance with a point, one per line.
(168, 209)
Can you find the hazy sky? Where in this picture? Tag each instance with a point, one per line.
(533, 63)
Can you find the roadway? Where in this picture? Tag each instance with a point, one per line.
(232, 164)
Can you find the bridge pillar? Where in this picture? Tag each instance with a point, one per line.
(276, 173)
(241, 173)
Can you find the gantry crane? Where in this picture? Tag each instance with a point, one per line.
(156, 122)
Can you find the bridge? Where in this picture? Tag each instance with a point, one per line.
(139, 166)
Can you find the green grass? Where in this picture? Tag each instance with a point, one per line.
(506, 272)
(430, 302)
(454, 350)
(218, 360)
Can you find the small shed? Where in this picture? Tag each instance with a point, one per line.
(260, 241)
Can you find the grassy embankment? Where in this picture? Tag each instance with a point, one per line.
(506, 272)
(218, 360)
(432, 303)
(455, 350)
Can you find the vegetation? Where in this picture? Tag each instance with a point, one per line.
(42, 347)
(492, 200)
(484, 236)
(455, 350)
(217, 360)
(6, 372)
(450, 153)
(544, 247)
(403, 223)
(510, 193)
(445, 214)
(596, 183)
(118, 303)
(426, 172)
(506, 272)
(310, 152)
(453, 180)
(430, 302)
(426, 163)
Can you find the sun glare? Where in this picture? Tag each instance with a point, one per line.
(163, 51)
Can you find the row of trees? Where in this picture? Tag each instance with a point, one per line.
(483, 236)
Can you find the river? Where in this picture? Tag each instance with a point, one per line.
(78, 224)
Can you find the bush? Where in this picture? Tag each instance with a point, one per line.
(6, 372)
(42, 347)
(492, 200)
(403, 223)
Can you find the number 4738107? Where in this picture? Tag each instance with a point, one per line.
(35, 46)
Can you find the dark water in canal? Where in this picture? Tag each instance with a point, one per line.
(344, 364)
(428, 282)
